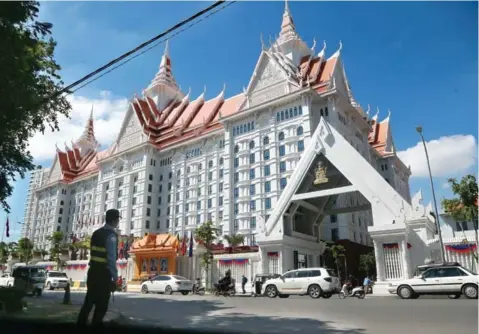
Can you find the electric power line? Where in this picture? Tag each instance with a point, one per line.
(229, 3)
(141, 46)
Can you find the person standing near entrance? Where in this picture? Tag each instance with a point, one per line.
(102, 275)
(244, 280)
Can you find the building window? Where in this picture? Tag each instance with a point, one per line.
(150, 188)
(220, 201)
(210, 164)
(147, 224)
(198, 205)
(281, 136)
(251, 158)
(334, 234)
(148, 212)
(236, 208)
(235, 225)
(266, 140)
(252, 205)
(221, 173)
(267, 171)
(236, 192)
(210, 203)
(210, 176)
(266, 154)
(267, 203)
(283, 182)
(220, 186)
(301, 146)
(267, 186)
(333, 219)
(251, 174)
(148, 200)
(236, 162)
(252, 223)
(198, 219)
(251, 144)
(118, 204)
(299, 131)
(236, 177)
(282, 166)
(236, 149)
(252, 189)
(282, 151)
(150, 177)
(222, 161)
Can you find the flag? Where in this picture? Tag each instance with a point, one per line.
(7, 228)
(121, 250)
(179, 244)
(190, 253)
(183, 245)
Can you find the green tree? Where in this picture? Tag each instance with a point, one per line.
(30, 78)
(4, 252)
(367, 263)
(57, 248)
(206, 234)
(337, 254)
(464, 207)
(25, 250)
(234, 240)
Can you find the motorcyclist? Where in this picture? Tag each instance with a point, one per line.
(225, 281)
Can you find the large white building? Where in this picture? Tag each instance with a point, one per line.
(180, 160)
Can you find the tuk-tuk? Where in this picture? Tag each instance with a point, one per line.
(258, 282)
(30, 278)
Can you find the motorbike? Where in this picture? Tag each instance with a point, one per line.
(230, 290)
(355, 292)
(198, 289)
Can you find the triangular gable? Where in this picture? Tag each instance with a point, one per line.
(130, 125)
(267, 74)
(387, 204)
(55, 172)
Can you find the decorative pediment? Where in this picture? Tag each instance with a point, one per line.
(266, 74)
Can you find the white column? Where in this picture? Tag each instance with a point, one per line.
(379, 254)
(405, 260)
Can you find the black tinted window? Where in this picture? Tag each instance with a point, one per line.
(430, 273)
(315, 273)
(451, 272)
(304, 273)
(331, 273)
(290, 274)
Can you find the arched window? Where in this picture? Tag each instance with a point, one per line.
(281, 136)
(236, 149)
(251, 144)
(299, 131)
(210, 163)
(266, 140)
(222, 161)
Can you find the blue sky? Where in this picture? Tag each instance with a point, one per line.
(417, 59)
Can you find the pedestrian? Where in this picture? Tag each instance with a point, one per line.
(244, 280)
(102, 275)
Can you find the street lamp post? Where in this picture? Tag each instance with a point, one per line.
(438, 226)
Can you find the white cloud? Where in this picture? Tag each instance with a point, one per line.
(446, 185)
(449, 156)
(108, 114)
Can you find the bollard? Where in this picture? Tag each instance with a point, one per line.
(66, 296)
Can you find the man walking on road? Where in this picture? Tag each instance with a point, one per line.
(103, 273)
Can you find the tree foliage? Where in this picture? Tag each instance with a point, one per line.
(29, 78)
(234, 240)
(57, 247)
(206, 233)
(337, 253)
(25, 250)
(367, 263)
(464, 207)
(4, 252)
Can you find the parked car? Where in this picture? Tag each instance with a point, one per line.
(315, 282)
(6, 280)
(30, 278)
(56, 280)
(167, 284)
(438, 280)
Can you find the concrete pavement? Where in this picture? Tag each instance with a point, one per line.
(296, 314)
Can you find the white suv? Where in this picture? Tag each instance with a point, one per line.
(315, 282)
(446, 279)
(56, 280)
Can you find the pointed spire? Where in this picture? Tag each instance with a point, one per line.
(288, 30)
(164, 75)
(323, 51)
(87, 140)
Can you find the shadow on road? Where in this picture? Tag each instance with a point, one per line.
(214, 315)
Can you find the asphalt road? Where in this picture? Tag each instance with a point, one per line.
(296, 314)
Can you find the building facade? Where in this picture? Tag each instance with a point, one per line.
(181, 160)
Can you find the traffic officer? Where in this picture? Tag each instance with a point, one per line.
(102, 274)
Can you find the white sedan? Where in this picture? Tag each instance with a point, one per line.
(440, 280)
(167, 284)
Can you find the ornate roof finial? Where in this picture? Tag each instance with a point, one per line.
(166, 53)
(314, 45)
(323, 51)
(368, 110)
(164, 75)
(262, 42)
(288, 30)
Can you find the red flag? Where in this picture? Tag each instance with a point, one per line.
(183, 246)
(7, 228)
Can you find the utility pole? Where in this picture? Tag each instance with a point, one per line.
(438, 226)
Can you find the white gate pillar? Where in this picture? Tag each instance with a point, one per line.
(379, 255)
(406, 262)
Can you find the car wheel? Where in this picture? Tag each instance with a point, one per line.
(283, 296)
(456, 296)
(184, 293)
(405, 292)
(314, 291)
(271, 291)
(470, 291)
(49, 286)
(327, 295)
(201, 292)
(168, 290)
(144, 289)
(342, 295)
(39, 292)
(361, 294)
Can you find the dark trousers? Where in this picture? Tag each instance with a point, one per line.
(242, 286)
(98, 294)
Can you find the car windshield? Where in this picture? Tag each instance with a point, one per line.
(56, 274)
(181, 278)
(331, 273)
(38, 272)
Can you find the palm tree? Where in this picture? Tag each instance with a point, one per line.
(234, 240)
(57, 248)
(25, 250)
